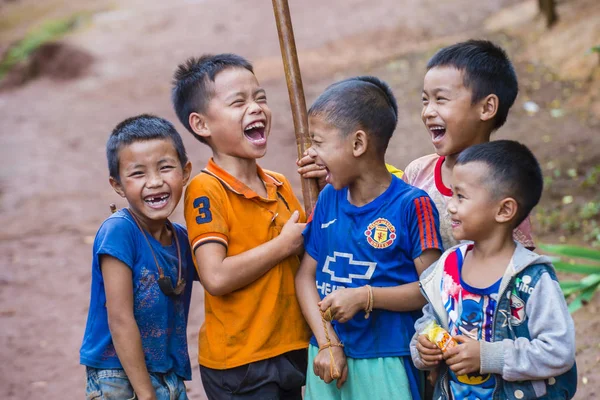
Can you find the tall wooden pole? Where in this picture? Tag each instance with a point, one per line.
(310, 189)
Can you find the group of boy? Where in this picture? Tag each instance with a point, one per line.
(364, 275)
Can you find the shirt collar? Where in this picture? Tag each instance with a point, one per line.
(238, 187)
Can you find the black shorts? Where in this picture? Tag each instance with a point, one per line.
(277, 378)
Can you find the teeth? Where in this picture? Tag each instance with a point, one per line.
(255, 125)
(437, 128)
(159, 198)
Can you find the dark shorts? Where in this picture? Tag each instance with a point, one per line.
(277, 378)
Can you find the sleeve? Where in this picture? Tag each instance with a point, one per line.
(409, 173)
(117, 238)
(522, 234)
(312, 232)
(191, 273)
(423, 225)
(550, 351)
(427, 317)
(205, 213)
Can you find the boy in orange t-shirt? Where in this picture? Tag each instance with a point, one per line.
(245, 228)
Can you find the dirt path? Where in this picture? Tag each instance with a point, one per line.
(54, 191)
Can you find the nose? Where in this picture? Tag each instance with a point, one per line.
(451, 206)
(254, 108)
(155, 180)
(428, 111)
(312, 152)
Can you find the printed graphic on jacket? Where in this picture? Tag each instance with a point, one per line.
(470, 313)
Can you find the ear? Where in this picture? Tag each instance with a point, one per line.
(360, 143)
(489, 107)
(507, 210)
(199, 125)
(116, 186)
(187, 171)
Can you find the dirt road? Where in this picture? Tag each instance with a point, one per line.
(54, 191)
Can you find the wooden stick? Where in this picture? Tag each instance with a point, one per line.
(310, 189)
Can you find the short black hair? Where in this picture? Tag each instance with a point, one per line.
(192, 89)
(362, 102)
(514, 172)
(138, 129)
(486, 69)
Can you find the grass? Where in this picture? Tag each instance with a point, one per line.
(47, 32)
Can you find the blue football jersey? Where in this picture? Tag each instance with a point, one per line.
(374, 244)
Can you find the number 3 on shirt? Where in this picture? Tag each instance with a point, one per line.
(203, 206)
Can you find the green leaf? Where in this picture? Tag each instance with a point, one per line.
(572, 251)
(576, 268)
(583, 298)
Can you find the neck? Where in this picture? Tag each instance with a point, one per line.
(156, 228)
(498, 245)
(369, 185)
(243, 169)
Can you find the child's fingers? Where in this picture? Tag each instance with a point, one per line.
(305, 160)
(343, 378)
(424, 341)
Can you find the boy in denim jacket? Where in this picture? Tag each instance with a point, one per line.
(501, 302)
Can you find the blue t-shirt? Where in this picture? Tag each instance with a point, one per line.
(470, 313)
(162, 320)
(374, 244)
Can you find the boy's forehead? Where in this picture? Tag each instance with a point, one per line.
(471, 172)
(232, 80)
(142, 150)
(444, 78)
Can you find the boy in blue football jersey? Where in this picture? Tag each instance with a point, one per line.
(371, 235)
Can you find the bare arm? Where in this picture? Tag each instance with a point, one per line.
(221, 275)
(406, 297)
(308, 297)
(347, 302)
(123, 327)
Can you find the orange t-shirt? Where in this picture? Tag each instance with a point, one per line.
(263, 319)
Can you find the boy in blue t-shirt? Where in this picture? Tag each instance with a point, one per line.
(371, 236)
(142, 271)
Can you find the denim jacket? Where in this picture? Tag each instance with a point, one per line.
(533, 350)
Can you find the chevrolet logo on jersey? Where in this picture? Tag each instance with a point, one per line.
(343, 268)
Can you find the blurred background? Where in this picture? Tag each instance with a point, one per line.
(71, 70)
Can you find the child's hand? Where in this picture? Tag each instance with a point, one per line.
(322, 365)
(345, 303)
(464, 358)
(430, 354)
(291, 234)
(308, 169)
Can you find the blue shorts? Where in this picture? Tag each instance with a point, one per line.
(113, 384)
(384, 378)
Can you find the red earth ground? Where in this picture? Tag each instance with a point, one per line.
(54, 190)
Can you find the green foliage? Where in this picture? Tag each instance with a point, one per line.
(49, 31)
(577, 292)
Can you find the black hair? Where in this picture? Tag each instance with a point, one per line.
(514, 172)
(137, 129)
(192, 89)
(486, 69)
(362, 102)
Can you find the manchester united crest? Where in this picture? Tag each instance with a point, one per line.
(380, 233)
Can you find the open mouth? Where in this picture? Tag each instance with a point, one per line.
(255, 133)
(157, 200)
(454, 223)
(437, 132)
